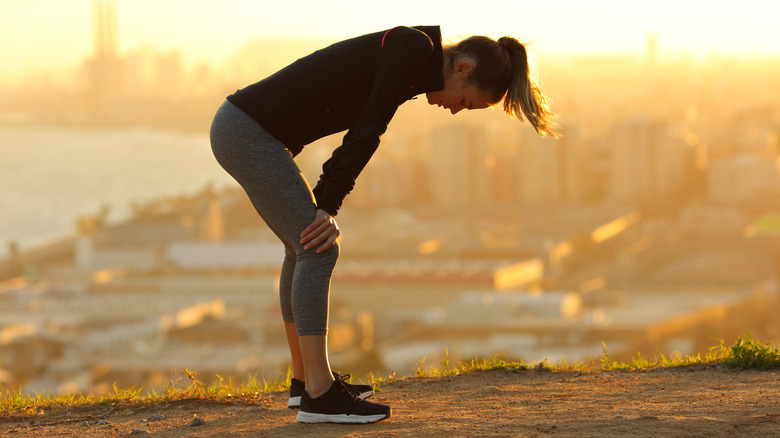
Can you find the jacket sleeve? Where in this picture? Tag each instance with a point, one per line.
(402, 61)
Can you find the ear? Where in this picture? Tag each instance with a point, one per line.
(464, 66)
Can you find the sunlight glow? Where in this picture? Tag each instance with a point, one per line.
(211, 30)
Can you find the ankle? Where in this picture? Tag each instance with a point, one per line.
(317, 387)
(317, 392)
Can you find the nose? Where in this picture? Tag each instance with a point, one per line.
(455, 109)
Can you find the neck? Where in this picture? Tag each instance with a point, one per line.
(449, 58)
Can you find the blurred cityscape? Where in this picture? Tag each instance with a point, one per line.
(652, 225)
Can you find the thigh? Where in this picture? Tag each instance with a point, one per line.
(264, 167)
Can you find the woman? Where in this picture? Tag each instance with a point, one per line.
(354, 85)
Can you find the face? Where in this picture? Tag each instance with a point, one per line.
(457, 93)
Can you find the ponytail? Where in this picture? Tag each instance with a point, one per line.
(503, 69)
(523, 95)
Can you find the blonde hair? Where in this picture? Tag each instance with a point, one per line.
(504, 70)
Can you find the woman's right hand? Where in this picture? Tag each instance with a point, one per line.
(324, 231)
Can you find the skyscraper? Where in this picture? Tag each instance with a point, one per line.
(105, 28)
(103, 69)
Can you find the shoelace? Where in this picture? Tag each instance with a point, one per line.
(342, 381)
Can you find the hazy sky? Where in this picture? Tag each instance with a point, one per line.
(39, 35)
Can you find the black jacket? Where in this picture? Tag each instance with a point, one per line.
(356, 84)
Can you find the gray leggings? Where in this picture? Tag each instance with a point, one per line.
(265, 169)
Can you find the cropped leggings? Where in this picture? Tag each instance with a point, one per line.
(265, 169)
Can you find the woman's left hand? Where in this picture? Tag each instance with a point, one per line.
(324, 230)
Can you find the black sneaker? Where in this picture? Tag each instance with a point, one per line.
(339, 404)
(297, 388)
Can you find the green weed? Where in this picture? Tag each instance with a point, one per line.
(744, 354)
(447, 369)
(422, 369)
(496, 363)
(751, 354)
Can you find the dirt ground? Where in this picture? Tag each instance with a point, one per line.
(698, 401)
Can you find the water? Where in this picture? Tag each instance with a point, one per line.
(49, 176)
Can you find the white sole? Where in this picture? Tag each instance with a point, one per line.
(309, 417)
(294, 402)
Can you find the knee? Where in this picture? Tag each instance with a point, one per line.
(329, 255)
